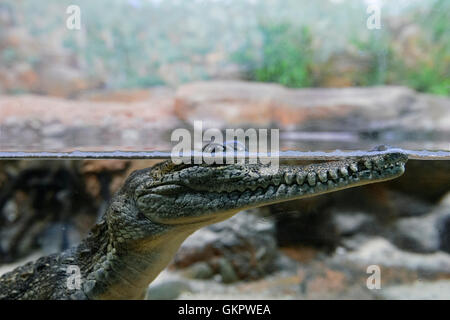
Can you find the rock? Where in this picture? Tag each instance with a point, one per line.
(238, 103)
(351, 223)
(167, 290)
(226, 271)
(321, 280)
(199, 270)
(53, 130)
(124, 115)
(427, 233)
(379, 251)
(62, 81)
(305, 222)
(444, 224)
(52, 123)
(417, 234)
(128, 96)
(419, 290)
(444, 234)
(242, 247)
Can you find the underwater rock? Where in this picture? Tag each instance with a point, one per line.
(167, 290)
(427, 233)
(242, 247)
(199, 270)
(419, 290)
(379, 251)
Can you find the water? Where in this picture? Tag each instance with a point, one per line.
(288, 155)
(300, 145)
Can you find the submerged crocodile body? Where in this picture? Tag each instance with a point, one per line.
(158, 208)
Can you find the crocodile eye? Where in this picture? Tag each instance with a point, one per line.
(213, 147)
(227, 146)
(234, 146)
(163, 168)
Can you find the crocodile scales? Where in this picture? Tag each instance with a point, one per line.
(158, 208)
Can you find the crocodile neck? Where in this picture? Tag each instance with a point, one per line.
(125, 273)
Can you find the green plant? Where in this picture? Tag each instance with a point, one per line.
(286, 56)
(433, 74)
(379, 55)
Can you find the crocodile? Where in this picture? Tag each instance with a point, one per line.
(157, 208)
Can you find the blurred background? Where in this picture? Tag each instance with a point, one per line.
(324, 72)
(145, 43)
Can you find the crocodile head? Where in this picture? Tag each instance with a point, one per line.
(171, 194)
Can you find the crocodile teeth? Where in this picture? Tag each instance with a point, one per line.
(322, 176)
(343, 171)
(333, 174)
(300, 178)
(353, 167)
(282, 189)
(289, 177)
(293, 189)
(312, 179)
(270, 191)
(321, 187)
(276, 180)
(343, 182)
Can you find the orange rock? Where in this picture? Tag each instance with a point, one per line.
(239, 103)
(321, 279)
(158, 111)
(119, 96)
(28, 78)
(301, 254)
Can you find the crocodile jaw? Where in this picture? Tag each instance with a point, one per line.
(208, 194)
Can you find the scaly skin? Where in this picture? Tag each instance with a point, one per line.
(159, 207)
